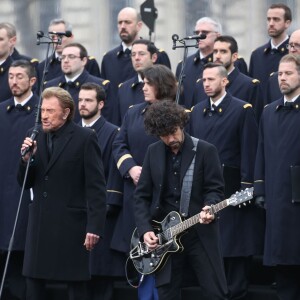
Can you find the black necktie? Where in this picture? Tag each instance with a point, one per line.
(127, 52)
(50, 144)
(20, 107)
(288, 103)
(214, 107)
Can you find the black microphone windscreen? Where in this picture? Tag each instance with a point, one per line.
(68, 33)
(40, 34)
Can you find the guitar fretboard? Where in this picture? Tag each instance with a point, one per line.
(176, 229)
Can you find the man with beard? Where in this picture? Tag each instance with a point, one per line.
(225, 51)
(181, 174)
(73, 60)
(277, 178)
(230, 125)
(265, 59)
(104, 262)
(116, 64)
(17, 115)
(273, 90)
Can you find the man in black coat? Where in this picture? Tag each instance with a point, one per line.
(116, 64)
(67, 215)
(54, 68)
(17, 116)
(239, 85)
(277, 179)
(174, 168)
(273, 90)
(265, 59)
(194, 63)
(105, 263)
(143, 55)
(230, 125)
(74, 59)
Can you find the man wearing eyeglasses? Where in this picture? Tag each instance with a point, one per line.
(273, 90)
(194, 63)
(265, 59)
(73, 60)
(54, 68)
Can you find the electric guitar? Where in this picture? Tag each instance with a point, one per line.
(169, 231)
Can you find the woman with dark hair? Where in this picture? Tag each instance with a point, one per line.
(129, 149)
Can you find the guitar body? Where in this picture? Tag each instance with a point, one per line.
(169, 232)
(149, 261)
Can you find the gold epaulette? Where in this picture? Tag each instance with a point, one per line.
(247, 105)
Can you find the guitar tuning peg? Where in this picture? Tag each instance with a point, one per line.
(244, 204)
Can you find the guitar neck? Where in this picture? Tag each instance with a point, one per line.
(176, 229)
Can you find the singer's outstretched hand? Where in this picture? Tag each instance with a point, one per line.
(28, 144)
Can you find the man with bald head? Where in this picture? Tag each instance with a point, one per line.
(116, 64)
(273, 90)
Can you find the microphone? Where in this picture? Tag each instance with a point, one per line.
(40, 34)
(34, 134)
(175, 38)
(68, 33)
(195, 37)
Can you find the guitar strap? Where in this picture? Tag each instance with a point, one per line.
(187, 184)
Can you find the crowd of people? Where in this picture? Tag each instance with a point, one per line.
(91, 152)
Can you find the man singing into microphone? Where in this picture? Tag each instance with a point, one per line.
(66, 217)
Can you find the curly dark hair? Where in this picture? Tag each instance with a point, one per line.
(163, 117)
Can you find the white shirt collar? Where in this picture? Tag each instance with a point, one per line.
(293, 100)
(216, 103)
(277, 46)
(91, 124)
(24, 101)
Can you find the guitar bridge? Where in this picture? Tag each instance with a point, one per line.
(140, 250)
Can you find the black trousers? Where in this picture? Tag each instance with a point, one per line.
(100, 288)
(211, 281)
(36, 289)
(287, 282)
(14, 281)
(237, 274)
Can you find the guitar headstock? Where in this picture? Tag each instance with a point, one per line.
(240, 197)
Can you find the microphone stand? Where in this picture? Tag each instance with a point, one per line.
(185, 46)
(33, 136)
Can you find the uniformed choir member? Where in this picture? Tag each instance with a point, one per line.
(54, 68)
(230, 125)
(17, 115)
(239, 85)
(273, 90)
(194, 63)
(277, 179)
(129, 149)
(265, 59)
(103, 260)
(116, 64)
(74, 74)
(130, 92)
(5, 60)
(14, 53)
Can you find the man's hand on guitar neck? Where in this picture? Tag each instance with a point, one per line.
(151, 240)
(205, 215)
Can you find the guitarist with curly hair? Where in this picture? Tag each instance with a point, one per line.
(181, 177)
